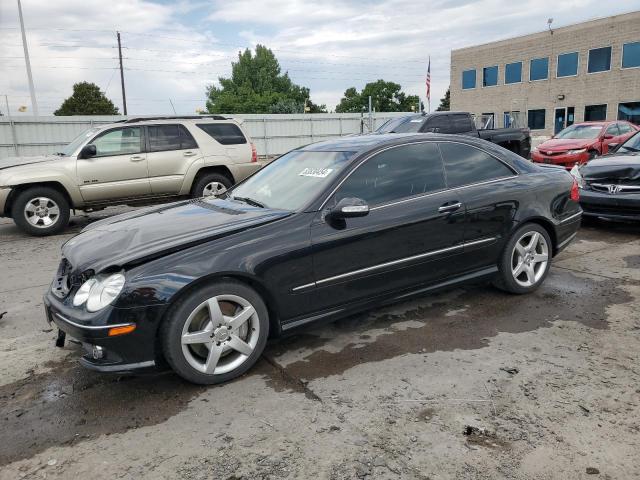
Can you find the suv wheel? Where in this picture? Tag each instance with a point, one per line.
(525, 261)
(211, 184)
(216, 333)
(41, 211)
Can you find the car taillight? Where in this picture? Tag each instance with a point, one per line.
(254, 154)
(575, 191)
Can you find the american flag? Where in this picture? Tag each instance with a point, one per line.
(429, 81)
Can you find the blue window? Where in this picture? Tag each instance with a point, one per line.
(536, 119)
(629, 111)
(490, 76)
(568, 64)
(539, 69)
(468, 79)
(599, 60)
(513, 72)
(631, 55)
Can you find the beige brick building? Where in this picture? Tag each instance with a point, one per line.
(587, 71)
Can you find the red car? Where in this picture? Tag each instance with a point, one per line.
(583, 141)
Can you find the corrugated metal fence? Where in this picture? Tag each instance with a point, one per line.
(272, 134)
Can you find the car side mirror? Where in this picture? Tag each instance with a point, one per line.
(349, 208)
(608, 136)
(433, 129)
(88, 151)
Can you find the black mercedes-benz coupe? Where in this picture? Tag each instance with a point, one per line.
(324, 231)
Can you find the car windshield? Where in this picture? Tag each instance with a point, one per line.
(293, 180)
(580, 132)
(79, 140)
(401, 125)
(631, 145)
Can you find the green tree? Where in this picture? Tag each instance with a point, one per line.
(256, 86)
(87, 99)
(444, 102)
(385, 97)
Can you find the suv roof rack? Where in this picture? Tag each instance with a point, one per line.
(176, 117)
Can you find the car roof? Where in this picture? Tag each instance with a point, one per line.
(365, 143)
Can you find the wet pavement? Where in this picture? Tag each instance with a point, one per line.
(467, 383)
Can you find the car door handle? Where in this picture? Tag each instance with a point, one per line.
(136, 158)
(189, 154)
(449, 207)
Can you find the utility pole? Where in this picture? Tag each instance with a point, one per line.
(124, 96)
(32, 90)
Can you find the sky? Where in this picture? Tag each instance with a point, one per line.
(174, 49)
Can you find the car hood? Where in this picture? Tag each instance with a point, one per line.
(560, 144)
(623, 168)
(18, 161)
(142, 235)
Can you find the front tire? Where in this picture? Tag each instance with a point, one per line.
(525, 261)
(216, 333)
(211, 185)
(41, 211)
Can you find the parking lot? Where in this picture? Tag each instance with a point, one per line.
(468, 383)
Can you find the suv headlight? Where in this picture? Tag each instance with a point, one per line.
(99, 291)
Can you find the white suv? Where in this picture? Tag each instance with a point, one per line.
(136, 161)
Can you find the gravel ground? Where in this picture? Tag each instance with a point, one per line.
(469, 383)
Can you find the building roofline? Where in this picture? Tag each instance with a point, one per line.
(570, 26)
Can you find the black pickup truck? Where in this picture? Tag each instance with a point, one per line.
(518, 140)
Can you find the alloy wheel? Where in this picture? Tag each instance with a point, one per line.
(41, 212)
(529, 259)
(220, 334)
(213, 189)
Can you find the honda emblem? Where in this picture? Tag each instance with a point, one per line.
(613, 189)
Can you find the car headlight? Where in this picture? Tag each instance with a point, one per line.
(576, 152)
(575, 171)
(99, 291)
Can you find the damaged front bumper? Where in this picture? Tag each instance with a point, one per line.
(103, 352)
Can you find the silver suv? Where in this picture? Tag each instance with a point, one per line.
(133, 162)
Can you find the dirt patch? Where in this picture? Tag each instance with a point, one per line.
(71, 404)
(632, 261)
(563, 296)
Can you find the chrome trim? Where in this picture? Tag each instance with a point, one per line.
(613, 189)
(450, 208)
(515, 173)
(90, 327)
(575, 215)
(565, 242)
(312, 284)
(394, 262)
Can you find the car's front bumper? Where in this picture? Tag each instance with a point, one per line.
(612, 206)
(565, 160)
(123, 353)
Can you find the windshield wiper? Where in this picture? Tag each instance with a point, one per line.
(250, 201)
(631, 149)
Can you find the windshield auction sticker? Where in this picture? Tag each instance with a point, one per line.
(316, 172)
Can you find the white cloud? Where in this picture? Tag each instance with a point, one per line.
(174, 49)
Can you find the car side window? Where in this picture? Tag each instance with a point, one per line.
(186, 139)
(410, 126)
(163, 138)
(438, 124)
(394, 174)
(624, 128)
(121, 141)
(460, 124)
(613, 130)
(465, 165)
(224, 133)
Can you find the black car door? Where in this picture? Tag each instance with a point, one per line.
(413, 233)
(488, 188)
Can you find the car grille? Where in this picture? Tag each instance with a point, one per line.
(614, 188)
(62, 281)
(611, 209)
(549, 153)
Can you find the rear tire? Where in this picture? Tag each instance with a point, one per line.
(41, 211)
(211, 185)
(216, 333)
(525, 261)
